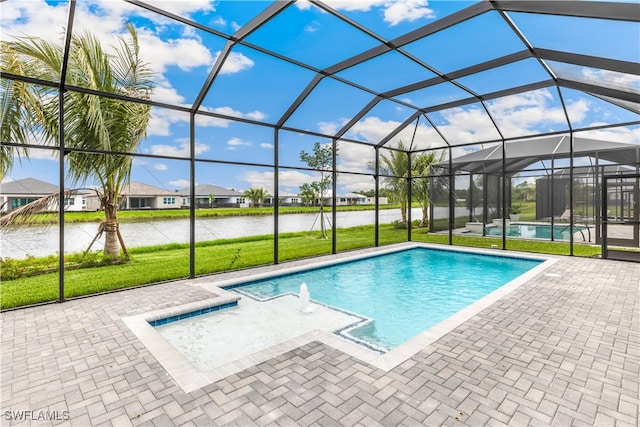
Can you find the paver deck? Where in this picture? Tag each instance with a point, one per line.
(562, 349)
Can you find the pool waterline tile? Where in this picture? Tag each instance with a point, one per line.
(190, 378)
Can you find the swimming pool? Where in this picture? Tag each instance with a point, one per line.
(204, 341)
(401, 293)
(536, 231)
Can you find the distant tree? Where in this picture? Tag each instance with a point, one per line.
(308, 194)
(256, 195)
(524, 192)
(320, 160)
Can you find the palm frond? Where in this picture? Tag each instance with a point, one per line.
(31, 213)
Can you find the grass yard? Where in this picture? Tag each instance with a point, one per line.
(171, 262)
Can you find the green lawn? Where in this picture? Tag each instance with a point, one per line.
(170, 262)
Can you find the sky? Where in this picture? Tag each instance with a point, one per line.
(256, 86)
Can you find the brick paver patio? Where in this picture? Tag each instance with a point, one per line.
(563, 349)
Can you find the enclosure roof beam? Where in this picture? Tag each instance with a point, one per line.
(358, 116)
(424, 31)
(590, 9)
(493, 95)
(498, 62)
(399, 129)
(600, 90)
(588, 61)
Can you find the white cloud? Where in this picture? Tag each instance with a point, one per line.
(329, 128)
(182, 150)
(467, 124)
(374, 129)
(525, 113)
(394, 11)
(184, 8)
(256, 115)
(209, 121)
(303, 4)
(266, 145)
(619, 134)
(184, 53)
(160, 167)
(161, 120)
(313, 27)
(235, 63)
(180, 183)
(406, 10)
(289, 181)
(234, 142)
(218, 21)
(106, 19)
(354, 183)
(34, 18)
(43, 154)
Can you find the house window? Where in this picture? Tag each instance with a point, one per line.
(294, 200)
(169, 200)
(69, 201)
(16, 203)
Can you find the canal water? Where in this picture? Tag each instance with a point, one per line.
(43, 240)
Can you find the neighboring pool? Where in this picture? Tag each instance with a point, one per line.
(535, 231)
(403, 293)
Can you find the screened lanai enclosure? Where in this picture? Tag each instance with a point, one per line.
(497, 124)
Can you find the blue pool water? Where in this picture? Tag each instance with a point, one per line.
(404, 292)
(535, 231)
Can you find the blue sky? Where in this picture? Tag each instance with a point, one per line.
(257, 86)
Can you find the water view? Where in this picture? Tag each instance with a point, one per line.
(43, 240)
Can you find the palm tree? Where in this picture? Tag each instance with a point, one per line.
(396, 167)
(91, 123)
(16, 99)
(256, 195)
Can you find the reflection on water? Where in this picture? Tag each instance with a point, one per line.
(43, 240)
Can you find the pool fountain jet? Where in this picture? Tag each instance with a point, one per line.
(305, 304)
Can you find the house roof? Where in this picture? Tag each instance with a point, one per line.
(28, 186)
(204, 190)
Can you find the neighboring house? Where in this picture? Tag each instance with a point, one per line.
(354, 199)
(14, 194)
(137, 195)
(372, 201)
(285, 198)
(209, 195)
(350, 199)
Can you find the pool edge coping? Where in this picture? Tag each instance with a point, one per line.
(189, 378)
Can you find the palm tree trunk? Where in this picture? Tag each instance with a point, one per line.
(111, 240)
(403, 210)
(425, 215)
